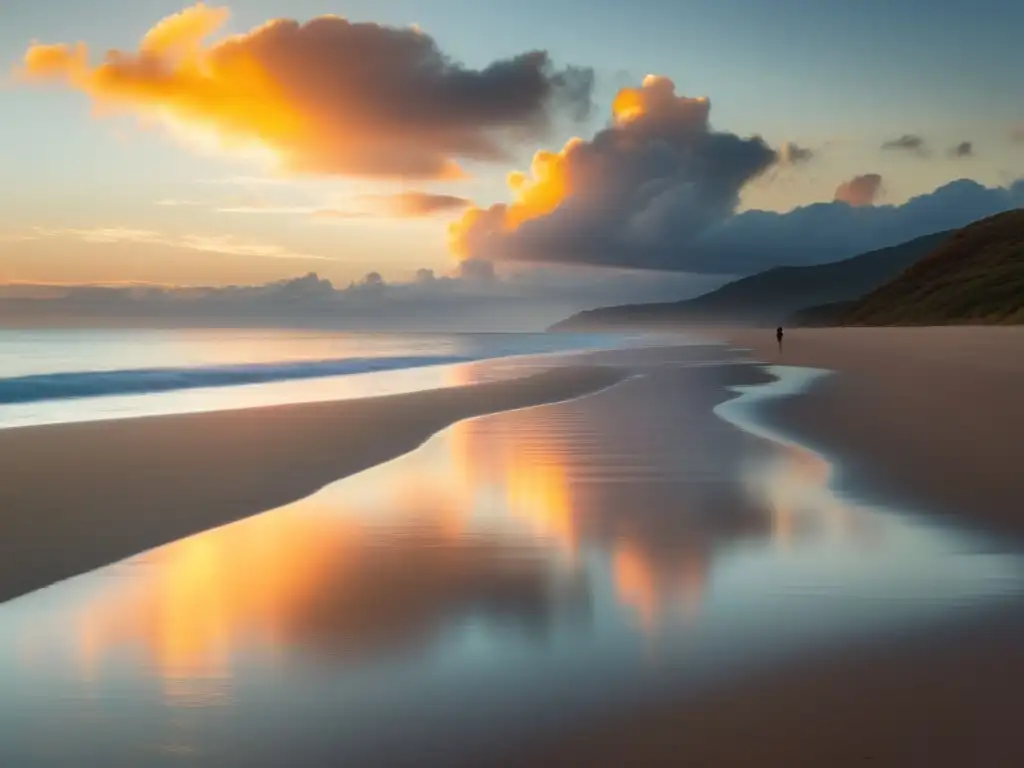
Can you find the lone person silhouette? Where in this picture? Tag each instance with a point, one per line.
(778, 337)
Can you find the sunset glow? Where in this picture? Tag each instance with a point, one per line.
(466, 383)
(209, 93)
(292, 110)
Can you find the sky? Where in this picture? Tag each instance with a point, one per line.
(383, 144)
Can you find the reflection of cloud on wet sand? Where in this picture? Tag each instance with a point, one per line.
(526, 470)
(646, 473)
(650, 593)
(310, 578)
(643, 473)
(643, 476)
(795, 487)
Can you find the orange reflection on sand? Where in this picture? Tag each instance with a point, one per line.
(193, 598)
(460, 375)
(796, 489)
(532, 475)
(384, 559)
(635, 583)
(652, 588)
(371, 566)
(540, 494)
(527, 458)
(800, 483)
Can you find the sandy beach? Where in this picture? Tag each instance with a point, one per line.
(926, 418)
(947, 700)
(930, 417)
(79, 496)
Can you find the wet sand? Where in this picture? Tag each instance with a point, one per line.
(78, 496)
(519, 575)
(951, 700)
(929, 417)
(935, 696)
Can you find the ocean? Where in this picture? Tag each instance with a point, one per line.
(56, 376)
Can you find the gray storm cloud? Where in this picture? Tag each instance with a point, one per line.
(659, 175)
(756, 240)
(659, 189)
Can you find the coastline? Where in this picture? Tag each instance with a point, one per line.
(939, 694)
(82, 495)
(908, 433)
(929, 418)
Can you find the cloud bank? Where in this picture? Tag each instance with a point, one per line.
(657, 176)
(476, 296)
(756, 240)
(659, 189)
(326, 97)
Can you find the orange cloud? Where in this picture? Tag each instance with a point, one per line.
(860, 190)
(533, 196)
(657, 175)
(329, 96)
(415, 204)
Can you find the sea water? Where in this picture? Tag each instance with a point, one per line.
(53, 376)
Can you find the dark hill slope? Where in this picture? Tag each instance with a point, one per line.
(770, 296)
(976, 276)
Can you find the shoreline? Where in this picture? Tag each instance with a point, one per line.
(79, 496)
(910, 438)
(941, 693)
(925, 418)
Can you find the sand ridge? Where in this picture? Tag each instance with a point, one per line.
(74, 497)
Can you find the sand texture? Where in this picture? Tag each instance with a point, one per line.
(930, 417)
(74, 497)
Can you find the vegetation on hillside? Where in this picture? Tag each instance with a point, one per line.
(975, 276)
